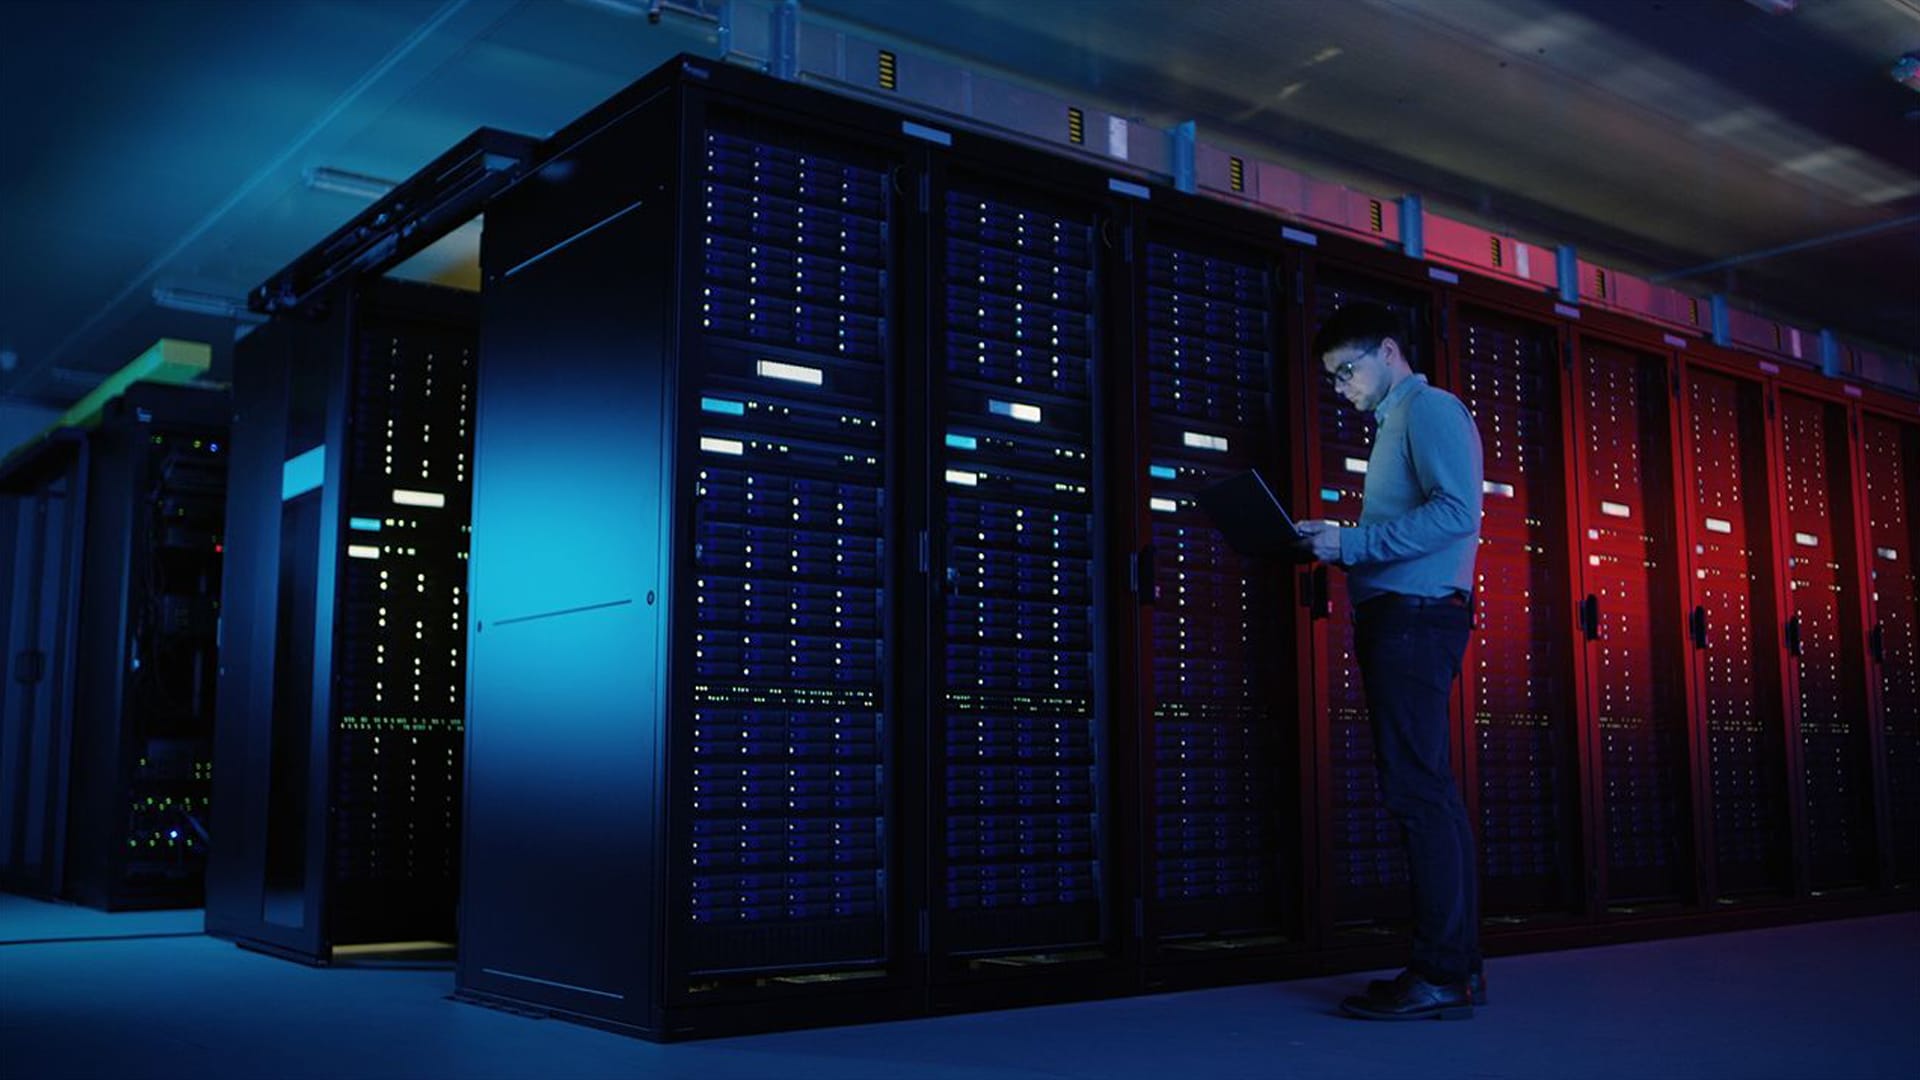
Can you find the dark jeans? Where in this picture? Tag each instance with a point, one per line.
(1409, 653)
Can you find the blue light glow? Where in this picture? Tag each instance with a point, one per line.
(1162, 472)
(963, 442)
(303, 472)
(722, 405)
(364, 524)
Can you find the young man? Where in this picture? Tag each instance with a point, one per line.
(1409, 567)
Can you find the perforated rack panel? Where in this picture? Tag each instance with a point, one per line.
(787, 793)
(1639, 689)
(1019, 817)
(1215, 735)
(1369, 871)
(1733, 598)
(1525, 725)
(1893, 516)
(399, 664)
(1833, 715)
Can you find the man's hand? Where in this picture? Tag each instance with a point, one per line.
(1321, 539)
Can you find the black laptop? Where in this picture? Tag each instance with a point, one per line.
(1245, 509)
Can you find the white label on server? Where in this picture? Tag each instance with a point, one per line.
(1492, 488)
(404, 497)
(1719, 525)
(722, 446)
(1200, 441)
(774, 369)
(1806, 539)
(1355, 464)
(1614, 509)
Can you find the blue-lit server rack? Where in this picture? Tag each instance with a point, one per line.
(686, 568)
(342, 708)
(1220, 797)
(116, 537)
(1022, 869)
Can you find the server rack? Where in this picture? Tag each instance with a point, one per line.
(341, 711)
(687, 563)
(42, 516)
(111, 754)
(1890, 448)
(1734, 604)
(1524, 774)
(1630, 618)
(1823, 637)
(1024, 872)
(1221, 795)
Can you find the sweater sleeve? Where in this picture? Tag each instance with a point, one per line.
(1445, 448)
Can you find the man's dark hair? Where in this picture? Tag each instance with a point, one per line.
(1363, 325)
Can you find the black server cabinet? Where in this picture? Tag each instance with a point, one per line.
(1021, 854)
(1824, 648)
(1631, 619)
(682, 708)
(1219, 747)
(42, 514)
(116, 756)
(1891, 450)
(1734, 605)
(1524, 761)
(341, 710)
(1362, 857)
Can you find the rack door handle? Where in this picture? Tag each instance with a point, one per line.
(1697, 626)
(1317, 595)
(1146, 582)
(1590, 616)
(1793, 634)
(1877, 643)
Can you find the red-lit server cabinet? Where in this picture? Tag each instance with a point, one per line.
(1360, 856)
(1631, 621)
(1824, 641)
(1523, 763)
(1735, 601)
(1220, 793)
(1890, 451)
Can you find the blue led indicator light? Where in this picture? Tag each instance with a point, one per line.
(722, 405)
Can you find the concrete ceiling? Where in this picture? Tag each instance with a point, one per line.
(163, 144)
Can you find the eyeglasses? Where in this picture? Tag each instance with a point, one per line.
(1344, 371)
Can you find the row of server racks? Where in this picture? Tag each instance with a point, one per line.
(112, 533)
(847, 642)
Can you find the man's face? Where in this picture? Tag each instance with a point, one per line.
(1359, 375)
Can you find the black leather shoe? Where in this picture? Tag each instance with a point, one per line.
(1476, 986)
(1410, 997)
